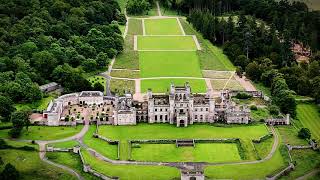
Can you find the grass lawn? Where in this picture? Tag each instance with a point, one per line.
(263, 148)
(289, 135)
(309, 116)
(102, 147)
(217, 74)
(261, 113)
(167, 131)
(125, 73)
(263, 88)
(135, 27)
(166, 43)
(128, 58)
(169, 64)
(29, 164)
(306, 161)
(98, 79)
(232, 84)
(131, 172)
(66, 144)
(45, 132)
(211, 57)
(168, 26)
(120, 86)
(70, 160)
(202, 152)
(163, 85)
(40, 104)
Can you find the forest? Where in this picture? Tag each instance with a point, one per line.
(54, 40)
(257, 36)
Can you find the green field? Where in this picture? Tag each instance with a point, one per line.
(166, 43)
(45, 132)
(39, 105)
(135, 27)
(167, 131)
(168, 26)
(125, 73)
(29, 165)
(169, 64)
(220, 84)
(102, 147)
(202, 152)
(131, 172)
(289, 135)
(128, 58)
(309, 116)
(263, 148)
(163, 85)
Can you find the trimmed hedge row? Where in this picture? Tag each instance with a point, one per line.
(263, 138)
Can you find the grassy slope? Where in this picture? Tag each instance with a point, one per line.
(66, 144)
(202, 152)
(131, 172)
(211, 57)
(125, 74)
(166, 64)
(309, 116)
(264, 147)
(162, 27)
(40, 104)
(289, 135)
(163, 85)
(135, 27)
(99, 145)
(166, 43)
(45, 132)
(120, 86)
(98, 79)
(128, 59)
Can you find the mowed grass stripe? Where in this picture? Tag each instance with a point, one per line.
(166, 43)
(169, 64)
(163, 85)
(309, 117)
(168, 26)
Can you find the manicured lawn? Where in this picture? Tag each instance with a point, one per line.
(66, 144)
(166, 131)
(128, 58)
(125, 73)
(39, 105)
(309, 116)
(29, 164)
(163, 85)
(168, 26)
(202, 152)
(232, 84)
(166, 43)
(289, 135)
(217, 74)
(135, 27)
(120, 86)
(169, 64)
(45, 132)
(98, 79)
(128, 172)
(102, 147)
(70, 160)
(211, 57)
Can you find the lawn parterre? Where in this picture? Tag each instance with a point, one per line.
(135, 26)
(309, 116)
(167, 26)
(131, 172)
(125, 73)
(166, 43)
(98, 79)
(163, 85)
(202, 152)
(220, 84)
(169, 64)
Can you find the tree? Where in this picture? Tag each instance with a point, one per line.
(98, 87)
(44, 62)
(102, 60)
(9, 173)
(89, 65)
(19, 119)
(304, 133)
(253, 71)
(6, 107)
(137, 7)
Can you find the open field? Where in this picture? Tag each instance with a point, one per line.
(98, 79)
(125, 73)
(120, 86)
(135, 27)
(39, 105)
(128, 58)
(29, 165)
(128, 172)
(226, 84)
(166, 131)
(169, 64)
(309, 116)
(70, 160)
(166, 43)
(202, 152)
(102, 147)
(289, 135)
(211, 57)
(45, 132)
(168, 26)
(163, 85)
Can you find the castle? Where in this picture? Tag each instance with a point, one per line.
(179, 107)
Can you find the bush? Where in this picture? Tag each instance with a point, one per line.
(26, 148)
(274, 110)
(135, 146)
(253, 108)
(243, 96)
(304, 133)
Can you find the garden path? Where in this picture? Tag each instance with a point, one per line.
(158, 8)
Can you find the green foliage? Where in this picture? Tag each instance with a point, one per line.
(304, 133)
(138, 7)
(243, 96)
(6, 107)
(9, 173)
(253, 108)
(274, 110)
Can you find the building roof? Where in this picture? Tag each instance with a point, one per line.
(49, 85)
(91, 93)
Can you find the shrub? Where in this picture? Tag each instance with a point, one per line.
(136, 145)
(253, 108)
(274, 110)
(243, 96)
(304, 133)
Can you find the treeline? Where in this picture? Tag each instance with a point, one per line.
(54, 40)
(139, 7)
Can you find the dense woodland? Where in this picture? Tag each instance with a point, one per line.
(257, 36)
(54, 40)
